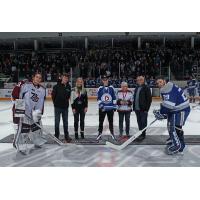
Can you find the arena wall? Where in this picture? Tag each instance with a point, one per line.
(5, 94)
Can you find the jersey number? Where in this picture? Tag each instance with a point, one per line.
(184, 97)
(34, 97)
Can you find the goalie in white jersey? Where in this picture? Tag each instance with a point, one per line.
(29, 108)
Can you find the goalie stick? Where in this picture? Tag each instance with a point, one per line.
(131, 139)
(195, 106)
(48, 133)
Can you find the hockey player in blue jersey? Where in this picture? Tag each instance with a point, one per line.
(192, 85)
(175, 108)
(107, 106)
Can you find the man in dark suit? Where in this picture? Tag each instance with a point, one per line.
(141, 104)
(60, 95)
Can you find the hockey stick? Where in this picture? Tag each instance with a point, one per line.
(131, 139)
(47, 132)
(180, 129)
(195, 106)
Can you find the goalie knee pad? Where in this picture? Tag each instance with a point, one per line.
(37, 138)
(35, 128)
(37, 114)
(25, 128)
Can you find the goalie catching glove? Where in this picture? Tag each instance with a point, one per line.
(158, 115)
(37, 115)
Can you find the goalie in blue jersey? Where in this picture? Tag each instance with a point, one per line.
(175, 108)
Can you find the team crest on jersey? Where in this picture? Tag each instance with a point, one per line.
(34, 97)
(106, 98)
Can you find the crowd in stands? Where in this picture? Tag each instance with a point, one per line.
(122, 63)
(116, 83)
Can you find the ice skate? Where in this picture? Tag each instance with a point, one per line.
(99, 136)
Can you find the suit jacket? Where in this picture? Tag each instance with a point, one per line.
(145, 98)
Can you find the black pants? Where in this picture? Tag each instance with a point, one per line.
(64, 113)
(123, 115)
(79, 114)
(141, 120)
(102, 115)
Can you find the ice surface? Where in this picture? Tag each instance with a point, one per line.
(99, 155)
(191, 127)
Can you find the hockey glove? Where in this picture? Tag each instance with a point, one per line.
(158, 115)
(37, 115)
(101, 107)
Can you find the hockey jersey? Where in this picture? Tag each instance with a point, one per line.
(17, 89)
(106, 98)
(34, 97)
(126, 97)
(174, 99)
(192, 84)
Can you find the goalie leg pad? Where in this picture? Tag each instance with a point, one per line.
(180, 134)
(37, 139)
(21, 138)
(176, 144)
(36, 136)
(34, 128)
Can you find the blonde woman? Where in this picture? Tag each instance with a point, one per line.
(79, 103)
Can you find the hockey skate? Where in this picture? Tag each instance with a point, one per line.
(124, 138)
(141, 138)
(76, 136)
(168, 142)
(113, 136)
(82, 135)
(68, 139)
(172, 150)
(99, 136)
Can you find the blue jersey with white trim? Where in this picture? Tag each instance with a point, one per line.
(106, 98)
(174, 99)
